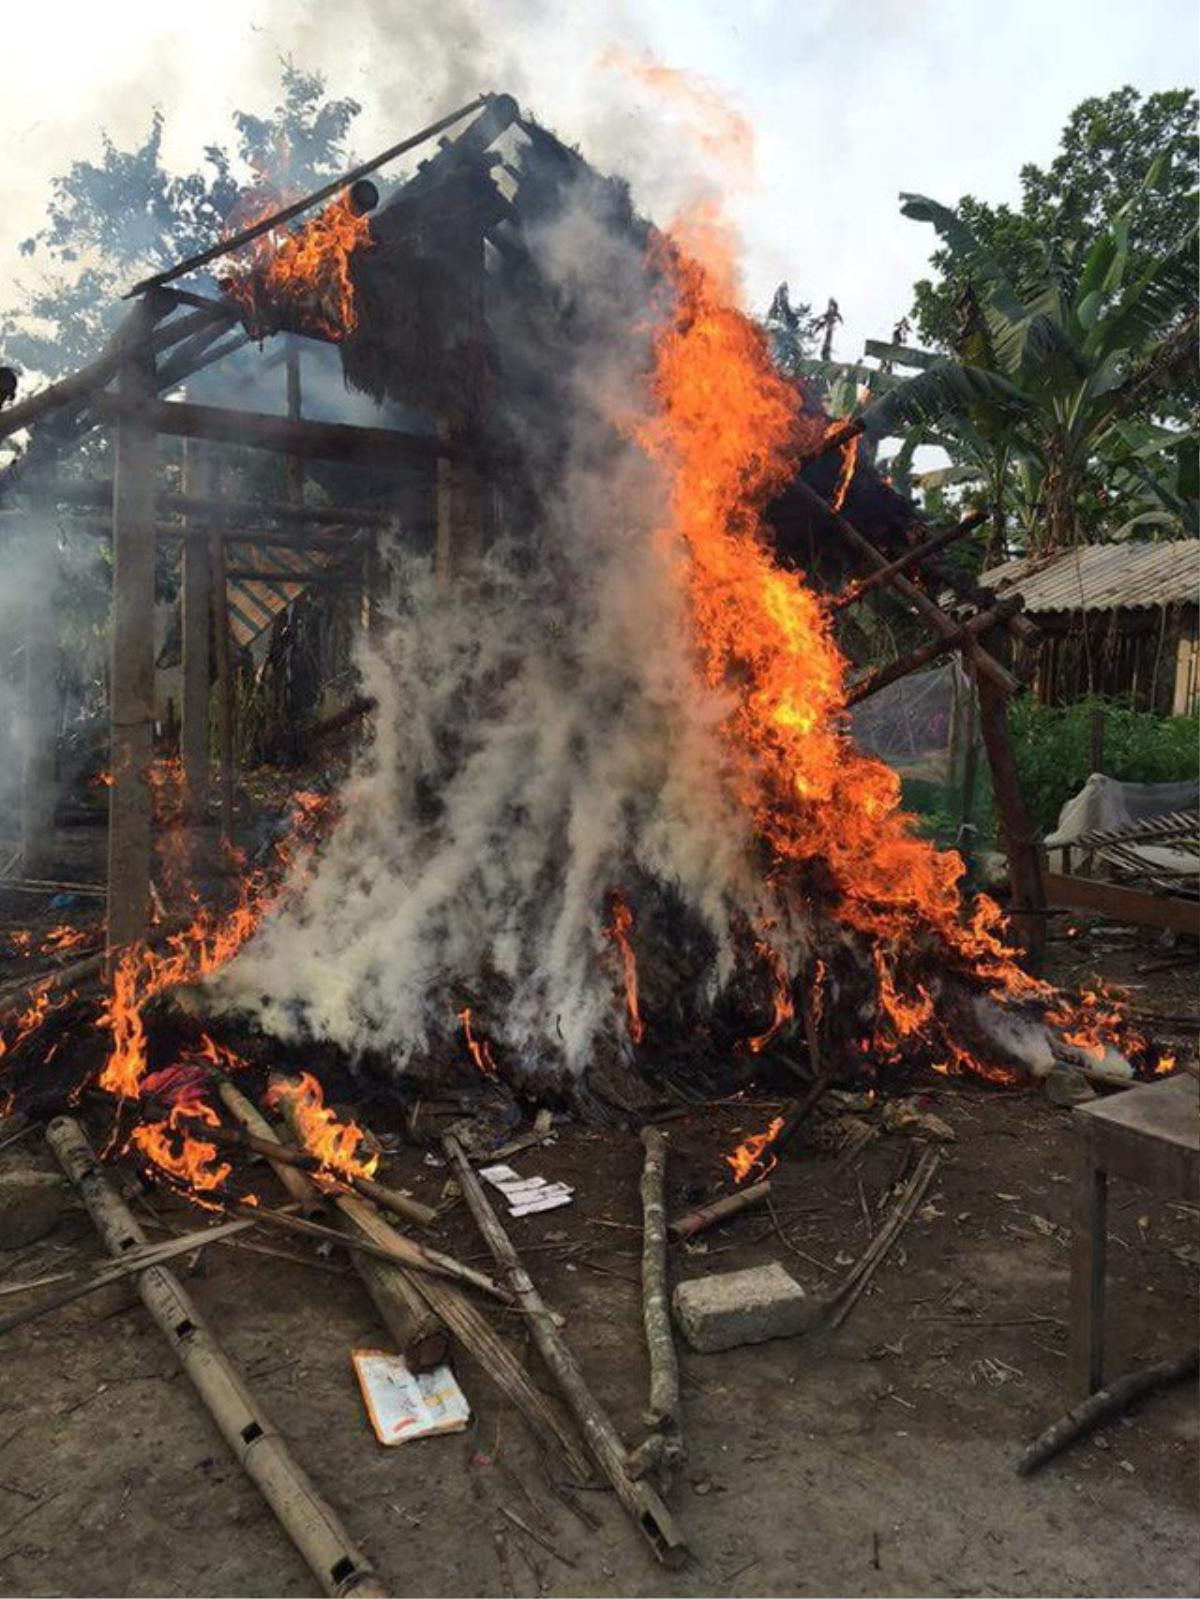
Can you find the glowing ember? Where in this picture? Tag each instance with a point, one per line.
(334, 1143)
(303, 276)
(618, 931)
(753, 1155)
(480, 1050)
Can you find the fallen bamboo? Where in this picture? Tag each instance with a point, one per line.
(303, 1190)
(847, 1293)
(916, 598)
(400, 1251)
(705, 1216)
(663, 1413)
(1103, 1405)
(338, 1565)
(379, 1193)
(650, 1515)
(418, 1331)
(128, 1266)
(914, 557)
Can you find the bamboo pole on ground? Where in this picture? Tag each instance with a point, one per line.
(311, 1524)
(1103, 1406)
(652, 1518)
(696, 1221)
(663, 1412)
(419, 1333)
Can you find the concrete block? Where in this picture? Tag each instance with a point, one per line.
(740, 1307)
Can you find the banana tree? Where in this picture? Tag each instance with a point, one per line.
(1044, 376)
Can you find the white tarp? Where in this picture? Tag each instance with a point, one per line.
(1103, 803)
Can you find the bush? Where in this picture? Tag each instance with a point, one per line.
(1052, 746)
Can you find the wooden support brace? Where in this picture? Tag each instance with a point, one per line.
(986, 664)
(911, 558)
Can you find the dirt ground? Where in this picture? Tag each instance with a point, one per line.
(877, 1459)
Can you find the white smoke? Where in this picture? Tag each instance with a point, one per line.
(542, 738)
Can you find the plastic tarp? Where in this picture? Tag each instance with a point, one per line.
(911, 723)
(1103, 804)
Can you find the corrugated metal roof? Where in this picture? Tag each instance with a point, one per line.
(1103, 577)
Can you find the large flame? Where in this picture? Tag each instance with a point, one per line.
(303, 277)
(618, 931)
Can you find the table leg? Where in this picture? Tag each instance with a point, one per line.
(1089, 1231)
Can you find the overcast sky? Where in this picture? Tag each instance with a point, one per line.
(849, 102)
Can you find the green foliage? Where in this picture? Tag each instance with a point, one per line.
(1052, 745)
(112, 220)
(1107, 146)
(1055, 399)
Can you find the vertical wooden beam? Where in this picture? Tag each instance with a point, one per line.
(40, 693)
(295, 463)
(1089, 1245)
(131, 679)
(461, 490)
(199, 480)
(1020, 835)
(220, 600)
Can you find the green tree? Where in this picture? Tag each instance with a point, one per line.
(112, 220)
(1107, 146)
(1058, 388)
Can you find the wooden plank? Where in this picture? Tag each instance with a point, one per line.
(326, 441)
(1085, 1366)
(1121, 904)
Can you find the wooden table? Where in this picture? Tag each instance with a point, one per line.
(1148, 1135)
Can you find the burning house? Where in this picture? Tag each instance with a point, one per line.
(602, 838)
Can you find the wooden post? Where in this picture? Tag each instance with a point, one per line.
(1096, 739)
(460, 485)
(295, 463)
(220, 615)
(199, 480)
(131, 678)
(41, 664)
(1089, 1243)
(1020, 836)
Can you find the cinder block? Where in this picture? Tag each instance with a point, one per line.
(740, 1307)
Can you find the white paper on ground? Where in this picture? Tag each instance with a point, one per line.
(526, 1195)
(550, 1199)
(404, 1405)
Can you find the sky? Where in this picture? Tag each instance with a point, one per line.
(849, 103)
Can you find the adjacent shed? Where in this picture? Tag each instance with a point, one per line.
(1117, 620)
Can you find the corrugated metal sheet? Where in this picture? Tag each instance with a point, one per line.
(1103, 577)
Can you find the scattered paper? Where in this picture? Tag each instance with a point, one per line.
(404, 1405)
(526, 1195)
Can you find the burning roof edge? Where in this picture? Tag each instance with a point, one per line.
(1103, 577)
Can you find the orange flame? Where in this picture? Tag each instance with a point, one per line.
(304, 275)
(753, 1154)
(784, 1005)
(618, 931)
(334, 1143)
(481, 1052)
(849, 457)
(175, 1151)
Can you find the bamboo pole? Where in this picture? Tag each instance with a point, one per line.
(914, 557)
(663, 1413)
(697, 1221)
(652, 1518)
(933, 649)
(387, 1198)
(338, 1565)
(297, 207)
(916, 598)
(418, 1331)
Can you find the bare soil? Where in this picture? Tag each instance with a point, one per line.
(877, 1459)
